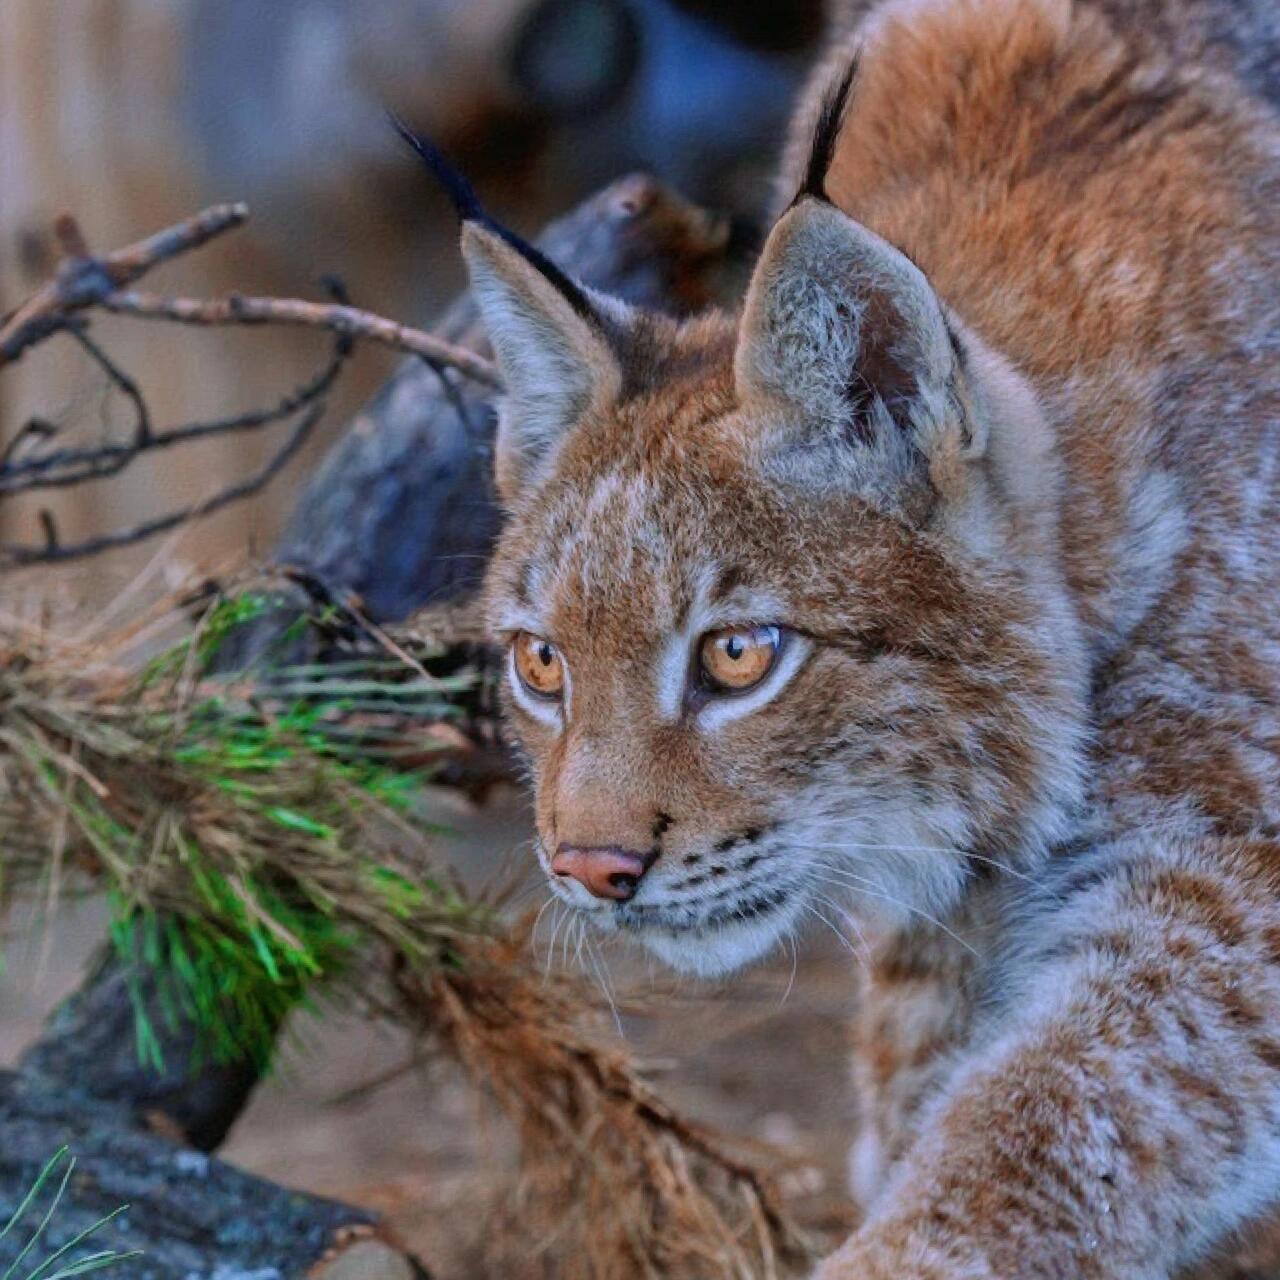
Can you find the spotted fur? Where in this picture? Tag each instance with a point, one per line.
(995, 437)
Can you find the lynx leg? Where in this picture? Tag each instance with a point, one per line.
(914, 1011)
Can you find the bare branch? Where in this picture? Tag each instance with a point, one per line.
(62, 468)
(54, 551)
(239, 309)
(119, 379)
(83, 280)
(32, 429)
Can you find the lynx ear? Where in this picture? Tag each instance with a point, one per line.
(844, 343)
(547, 332)
(549, 338)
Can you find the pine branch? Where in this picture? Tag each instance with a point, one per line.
(256, 855)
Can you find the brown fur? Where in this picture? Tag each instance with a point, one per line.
(997, 439)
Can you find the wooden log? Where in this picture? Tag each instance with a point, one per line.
(90, 1046)
(192, 1216)
(402, 511)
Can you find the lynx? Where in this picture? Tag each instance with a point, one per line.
(940, 584)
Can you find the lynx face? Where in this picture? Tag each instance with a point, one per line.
(784, 633)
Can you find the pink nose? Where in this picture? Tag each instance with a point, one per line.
(605, 872)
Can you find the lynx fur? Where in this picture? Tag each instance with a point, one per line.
(993, 446)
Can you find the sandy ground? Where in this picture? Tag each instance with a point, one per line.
(760, 1056)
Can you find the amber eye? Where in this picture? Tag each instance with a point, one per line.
(735, 658)
(538, 664)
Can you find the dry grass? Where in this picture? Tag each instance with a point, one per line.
(615, 1184)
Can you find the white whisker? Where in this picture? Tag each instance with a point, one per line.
(858, 846)
(574, 921)
(789, 939)
(869, 888)
(849, 919)
(537, 920)
(844, 941)
(604, 987)
(561, 914)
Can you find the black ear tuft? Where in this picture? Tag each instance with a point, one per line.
(823, 148)
(469, 209)
(459, 190)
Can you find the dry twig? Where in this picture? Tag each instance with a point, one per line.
(32, 461)
(54, 551)
(238, 308)
(84, 280)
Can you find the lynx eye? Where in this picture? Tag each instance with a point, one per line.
(737, 658)
(538, 664)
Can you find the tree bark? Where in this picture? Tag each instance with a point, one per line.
(89, 1046)
(193, 1217)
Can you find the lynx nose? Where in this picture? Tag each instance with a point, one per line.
(608, 872)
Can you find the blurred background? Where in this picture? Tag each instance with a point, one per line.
(132, 114)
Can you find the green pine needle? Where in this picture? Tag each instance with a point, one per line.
(256, 841)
